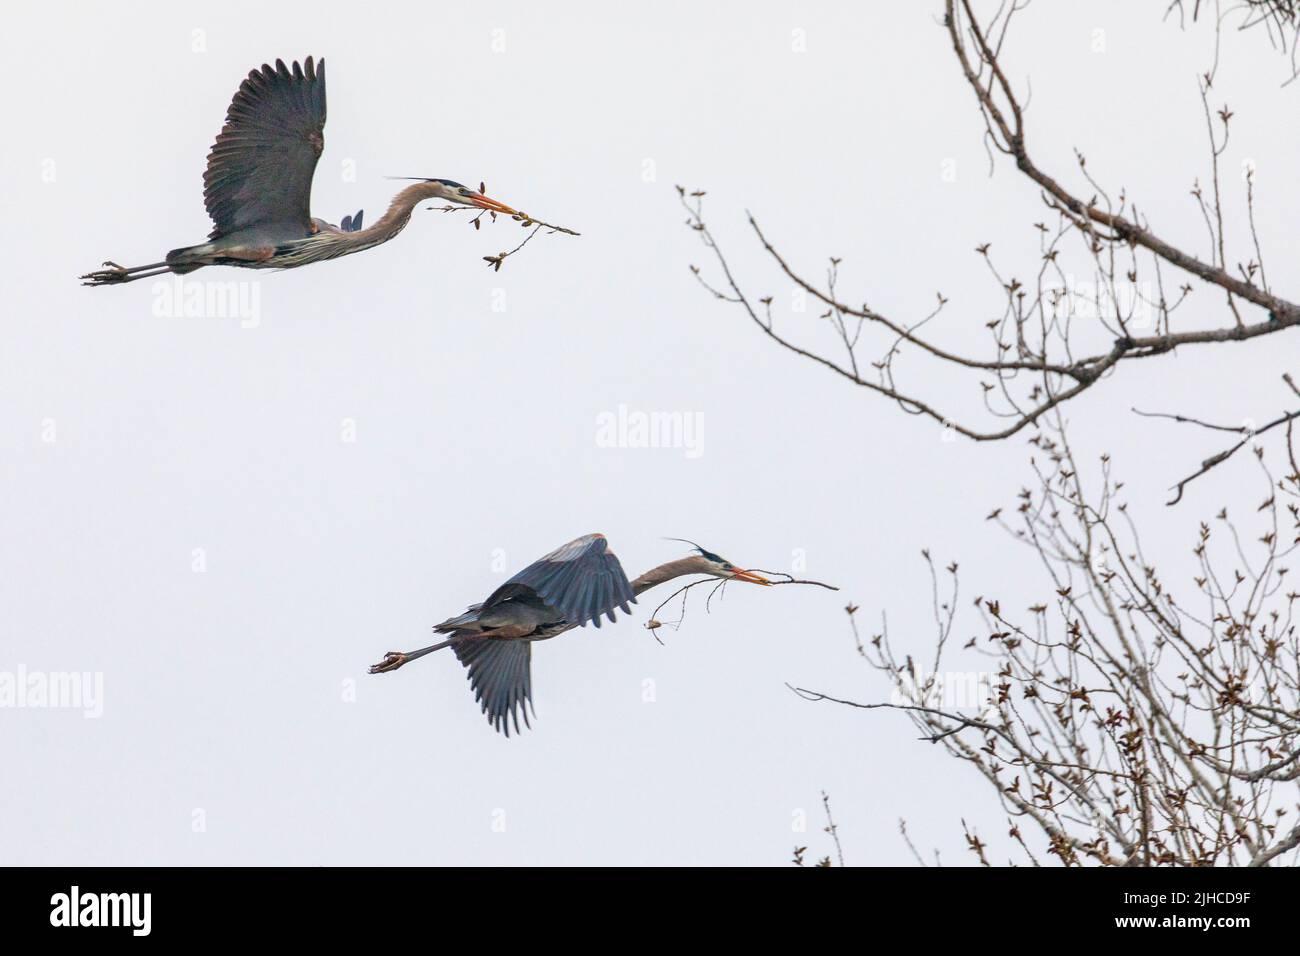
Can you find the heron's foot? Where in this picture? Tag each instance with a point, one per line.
(111, 273)
(391, 662)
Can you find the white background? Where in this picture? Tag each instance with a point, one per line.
(476, 429)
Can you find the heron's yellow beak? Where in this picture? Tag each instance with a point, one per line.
(750, 577)
(484, 202)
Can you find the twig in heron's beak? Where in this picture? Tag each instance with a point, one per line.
(528, 220)
(791, 579)
(522, 218)
(718, 585)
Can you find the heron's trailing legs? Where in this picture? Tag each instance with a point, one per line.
(113, 273)
(395, 659)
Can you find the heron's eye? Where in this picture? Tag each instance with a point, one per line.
(464, 192)
(727, 566)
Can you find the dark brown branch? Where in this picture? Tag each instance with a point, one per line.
(1013, 141)
(1215, 460)
(1103, 223)
(961, 723)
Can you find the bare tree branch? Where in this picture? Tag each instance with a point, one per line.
(1044, 347)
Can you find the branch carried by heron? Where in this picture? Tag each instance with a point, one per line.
(750, 575)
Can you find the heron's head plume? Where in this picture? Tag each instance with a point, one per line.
(719, 567)
(451, 191)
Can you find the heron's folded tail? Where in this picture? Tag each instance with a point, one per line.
(457, 623)
(188, 258)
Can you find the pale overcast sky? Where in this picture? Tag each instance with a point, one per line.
(229, 517)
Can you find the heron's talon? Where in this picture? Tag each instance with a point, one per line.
(391, 662)
(114, 273)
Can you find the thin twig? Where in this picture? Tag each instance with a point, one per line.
(832, 829)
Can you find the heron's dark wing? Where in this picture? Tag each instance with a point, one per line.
(582, 580)
(261, 166)
(500, 675)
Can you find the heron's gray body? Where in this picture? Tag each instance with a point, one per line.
(257, 186)
(576, 584)
(277, 246)
(573, 585)
(520, 618)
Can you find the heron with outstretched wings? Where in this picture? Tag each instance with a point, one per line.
(257, 186)
(574, 585)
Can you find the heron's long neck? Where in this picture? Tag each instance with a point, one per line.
(665, 572)
(399, 213)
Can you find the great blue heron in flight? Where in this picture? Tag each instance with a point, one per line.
(257, 187)
(573, 585)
